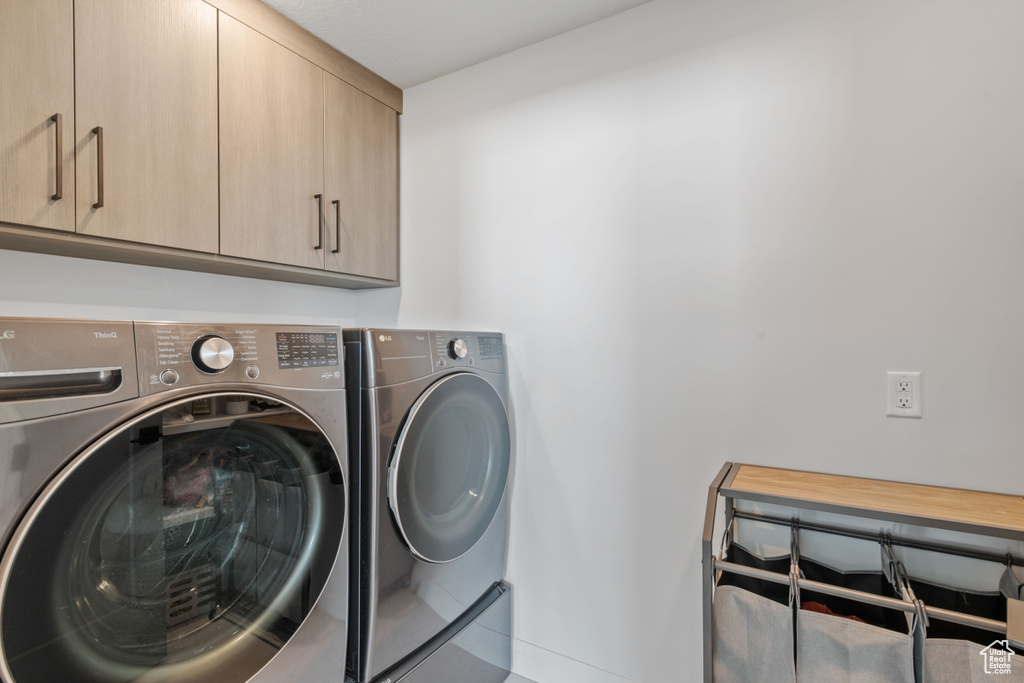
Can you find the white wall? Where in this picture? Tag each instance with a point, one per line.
(36, 285)
(708, 228)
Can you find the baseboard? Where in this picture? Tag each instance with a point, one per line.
(544, 666)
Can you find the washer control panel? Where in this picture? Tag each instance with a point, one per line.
(306, 350)
(176, 355)
(212, 354)
(457, 349)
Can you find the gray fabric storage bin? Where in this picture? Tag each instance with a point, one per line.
(961, 661)
(753, 638)
(832, 649)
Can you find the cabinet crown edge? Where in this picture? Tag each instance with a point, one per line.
(279, 28)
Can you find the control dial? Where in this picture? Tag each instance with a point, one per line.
(457, 349)
(212, 354)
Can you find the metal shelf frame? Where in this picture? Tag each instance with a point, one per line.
(723, 486)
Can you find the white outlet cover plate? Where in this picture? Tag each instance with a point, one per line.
(892, 410)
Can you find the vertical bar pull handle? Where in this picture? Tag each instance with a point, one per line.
(337, 226)
(59, 120)
(98, 130)
(320, 221)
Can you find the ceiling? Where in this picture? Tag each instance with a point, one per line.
(409, 42)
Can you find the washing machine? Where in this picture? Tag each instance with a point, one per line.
(173, 502)
(430, 455)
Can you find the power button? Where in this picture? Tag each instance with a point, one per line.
(168, 377)
(252, 372)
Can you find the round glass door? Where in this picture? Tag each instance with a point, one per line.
(179, 548)
(450, 467)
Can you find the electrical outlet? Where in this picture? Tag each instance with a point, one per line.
(903, 394)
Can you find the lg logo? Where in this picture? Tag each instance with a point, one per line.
(8, 334)
(385, 337)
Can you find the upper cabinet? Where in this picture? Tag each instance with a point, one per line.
(272, 150)
(37, 98)
(361, 182)
(215, 136)
(309, 163)
(146, 121)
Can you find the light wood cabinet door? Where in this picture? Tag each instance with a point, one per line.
(37, 99)
(271, 149)
(146, 74)
(361, 179)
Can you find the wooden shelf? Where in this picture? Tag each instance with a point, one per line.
(991, 514)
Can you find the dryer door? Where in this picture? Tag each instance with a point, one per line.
(450, 467)
(173, 551)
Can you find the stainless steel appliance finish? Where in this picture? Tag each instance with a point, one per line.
(431, 451)
(480, 651)
(141, 542)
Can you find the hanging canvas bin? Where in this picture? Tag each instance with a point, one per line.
(737, 554)
(840, 650)
(753, 623)
(857, 642)
(753, 638)
(961, 654)
(963, 661)
(873, 582)
(990, 605)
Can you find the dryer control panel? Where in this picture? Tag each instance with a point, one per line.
(175, 355)
(478, 350)
(396, 356)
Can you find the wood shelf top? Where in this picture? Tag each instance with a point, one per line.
(958, 509)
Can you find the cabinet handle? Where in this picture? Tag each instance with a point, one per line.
(337, 226)
(320, 221)
(98, 130)
(59, 120)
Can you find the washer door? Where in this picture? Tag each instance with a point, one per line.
(173, 551)
(450, 467)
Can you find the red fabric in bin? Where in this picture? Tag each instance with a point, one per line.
(822, 609)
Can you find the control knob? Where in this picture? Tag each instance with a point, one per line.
(212, 354)
(457, 349)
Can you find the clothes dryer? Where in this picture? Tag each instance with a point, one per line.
(152, 533)
(430, 454)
